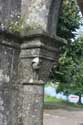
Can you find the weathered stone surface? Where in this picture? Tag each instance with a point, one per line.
(38, 53)
(25, 67)
(8, 76)
(37, 12)
(41, 14)
(25, 63)
(36, 56)
(9, 9)
(30, 105)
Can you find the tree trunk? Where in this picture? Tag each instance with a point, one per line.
(79, 98)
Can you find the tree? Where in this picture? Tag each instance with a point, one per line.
(68, 73)
(69, 19)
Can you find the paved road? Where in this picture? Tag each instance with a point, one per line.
(63, 117)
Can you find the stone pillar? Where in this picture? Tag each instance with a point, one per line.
(31, 60)
(39, 52)
(30, 104)
(25, 64)
(9, 55)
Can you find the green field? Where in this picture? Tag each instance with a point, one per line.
(53, 102)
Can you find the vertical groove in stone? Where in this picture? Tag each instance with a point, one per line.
(53, 16)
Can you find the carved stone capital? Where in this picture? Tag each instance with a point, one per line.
(39, 52)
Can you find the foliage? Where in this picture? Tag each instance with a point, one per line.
(18, 25)
(69, 19)
(69, 72)
(15, 25)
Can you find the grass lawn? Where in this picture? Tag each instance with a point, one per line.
(53, 102)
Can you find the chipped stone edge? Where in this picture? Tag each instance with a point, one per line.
(22, 36)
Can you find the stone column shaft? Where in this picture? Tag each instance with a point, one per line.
(30, 105)
(25, 64)
(9, 55)
(32, 60)
(37, 14)
(35, 62)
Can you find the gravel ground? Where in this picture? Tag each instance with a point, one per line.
(63, 117)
